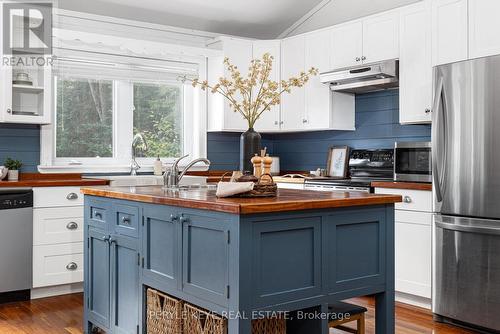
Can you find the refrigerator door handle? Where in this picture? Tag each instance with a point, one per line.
(465, 228)
(438, 97)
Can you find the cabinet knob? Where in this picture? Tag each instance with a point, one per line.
(126, 220)
(407, 199)
(112, 240)
(304, 120)
(276, 123)
(427, 110)
(9, 111)
(174, 217)
(282, 122)
(72, 226)
(72, 196)
(184, 220)
(363, 58)
(72, 266)
(106, 238)
(358, 59)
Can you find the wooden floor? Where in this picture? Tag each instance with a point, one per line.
(63, 315)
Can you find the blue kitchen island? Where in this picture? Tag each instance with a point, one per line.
(239, 258)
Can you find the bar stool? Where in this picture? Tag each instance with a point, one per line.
(341, 313)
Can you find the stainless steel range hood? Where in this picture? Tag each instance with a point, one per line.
(364, 78)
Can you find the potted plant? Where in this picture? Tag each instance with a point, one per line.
(251, 96)
(13, 166)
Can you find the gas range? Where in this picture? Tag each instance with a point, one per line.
(365, 167)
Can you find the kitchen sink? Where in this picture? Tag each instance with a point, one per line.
(149, 180)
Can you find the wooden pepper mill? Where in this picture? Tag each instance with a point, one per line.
(257, 165)
(267, 161)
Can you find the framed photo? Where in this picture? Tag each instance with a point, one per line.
(338, 162)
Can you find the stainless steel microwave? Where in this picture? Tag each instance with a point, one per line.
(412, 162)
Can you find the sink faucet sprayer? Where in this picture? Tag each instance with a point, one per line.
(171, 177)
(137, 142)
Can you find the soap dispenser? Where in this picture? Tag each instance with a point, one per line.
(158, 167)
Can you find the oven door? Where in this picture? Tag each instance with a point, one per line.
(413, 162)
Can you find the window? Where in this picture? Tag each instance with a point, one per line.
(100, 104)
(158, 116)
(84, 118)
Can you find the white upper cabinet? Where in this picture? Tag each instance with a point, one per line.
(221, 115)
(317, 94)
(292, 63)
(270, 120)
(347, 45)
(484, 28)
(381, 37)
(449, 31)
(415, 65)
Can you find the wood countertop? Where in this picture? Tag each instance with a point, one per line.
(287, 200)
(30, 180)
(403, 185)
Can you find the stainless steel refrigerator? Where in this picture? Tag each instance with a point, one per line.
(466, 173)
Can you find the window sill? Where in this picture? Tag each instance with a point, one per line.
(103, 169)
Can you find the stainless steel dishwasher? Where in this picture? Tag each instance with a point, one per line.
(16, 244)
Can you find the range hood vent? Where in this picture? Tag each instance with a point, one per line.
(364, 78)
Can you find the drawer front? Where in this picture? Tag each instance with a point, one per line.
(57, 225)
(56, 197)
(96, 213)
(126, 220)
(57, 264)
(414, 200)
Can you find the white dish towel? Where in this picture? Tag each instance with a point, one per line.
(226, 189)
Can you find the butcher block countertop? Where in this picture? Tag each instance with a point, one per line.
(29, 180)
(287, 199)
(403, 185)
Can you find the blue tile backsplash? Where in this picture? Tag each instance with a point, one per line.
(377, 126)
(21, 142)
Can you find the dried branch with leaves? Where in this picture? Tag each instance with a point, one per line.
(256, 93)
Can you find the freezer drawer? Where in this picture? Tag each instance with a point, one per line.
(466, 270)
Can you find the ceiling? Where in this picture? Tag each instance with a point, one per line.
(264, 19)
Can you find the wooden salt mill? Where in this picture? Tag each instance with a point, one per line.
(257, 165)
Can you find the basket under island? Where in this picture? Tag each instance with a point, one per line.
(239, 258)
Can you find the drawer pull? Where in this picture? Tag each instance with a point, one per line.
(407, 199)
(98, 215)
(71, 266)
(72, 226)
(126, 220)
(174, 217)
(72, 196)
(184, 220)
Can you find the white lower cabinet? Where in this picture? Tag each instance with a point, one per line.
(57, 264)
(413, 244)
(413, 252)
(57, 236)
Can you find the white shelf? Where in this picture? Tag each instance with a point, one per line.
(28, 89)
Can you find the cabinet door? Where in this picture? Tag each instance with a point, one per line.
(293, 62)
(126, 299)
(98, 278)
(413, 252)
(205, 257)
(317, 94)
(484, 25)
(449, 31)
(161, 236)
(381, 37)
(270, 120)
(347, 45)
(415, 65)
(239, 52)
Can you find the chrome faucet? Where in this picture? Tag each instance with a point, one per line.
(137, 143)
(172, 177)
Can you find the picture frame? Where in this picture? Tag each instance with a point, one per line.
(338, 162)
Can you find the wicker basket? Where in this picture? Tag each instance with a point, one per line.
(164, 313)
(198, 321)
(261, 188)
(269, 326)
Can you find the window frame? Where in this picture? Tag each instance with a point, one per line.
(194, 133)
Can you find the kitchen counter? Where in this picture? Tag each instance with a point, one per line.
(287, 199)
(299, 250)
(31, 180)
(403, 185)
